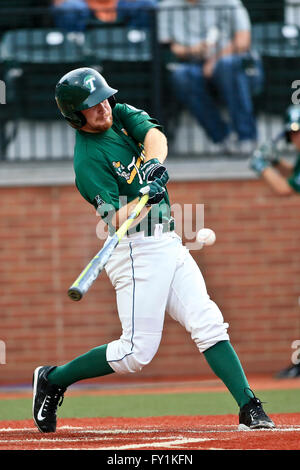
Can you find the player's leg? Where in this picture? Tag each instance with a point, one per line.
(192, 90)
(232, 83)
(50, 384)
(141, 300)
(142, 292)
(190, 304)
(86, 366)
(141, 273)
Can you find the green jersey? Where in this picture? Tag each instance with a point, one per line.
(108, 165)
(294, 180)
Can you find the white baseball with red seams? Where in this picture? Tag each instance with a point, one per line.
(206, 236)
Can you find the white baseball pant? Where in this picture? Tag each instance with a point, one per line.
(152, 275)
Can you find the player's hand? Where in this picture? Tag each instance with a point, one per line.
(258, 162)
(153, 169)
(156, 191)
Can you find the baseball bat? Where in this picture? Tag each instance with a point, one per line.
(86, 278)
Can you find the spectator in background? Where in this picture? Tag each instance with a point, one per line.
(211, 40)
(283, 177)
(104, 10)
(70, 15)
(136, 13)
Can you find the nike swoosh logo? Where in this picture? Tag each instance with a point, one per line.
(39, 416)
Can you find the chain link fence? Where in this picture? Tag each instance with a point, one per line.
(141, 61)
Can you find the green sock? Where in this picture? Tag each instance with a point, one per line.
(89, 365)
(225, 363)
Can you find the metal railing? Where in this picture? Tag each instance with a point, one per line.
(141, 63)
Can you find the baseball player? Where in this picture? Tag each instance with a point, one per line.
(119, 154)
(280, 174)
(283, 176)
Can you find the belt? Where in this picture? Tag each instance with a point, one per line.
(154, 229)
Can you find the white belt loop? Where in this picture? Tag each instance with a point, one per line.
(158, 231)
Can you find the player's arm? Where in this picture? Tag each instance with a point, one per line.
(239, 44)
(156, 191)
(273, 170)
(155, 145)
(285, 167)
(155, 150)
(148, 132)
(277, 182)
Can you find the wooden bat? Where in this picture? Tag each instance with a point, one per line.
(97, 264)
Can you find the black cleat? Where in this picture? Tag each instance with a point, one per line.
(252, 416)
(46, 398)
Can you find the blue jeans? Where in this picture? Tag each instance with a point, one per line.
(229, 84)
(136, 13)
(71, 15)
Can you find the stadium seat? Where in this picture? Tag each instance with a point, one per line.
(33, 62)
(41, 46)
(17, 14)
(266, 11)
(118, 43)
(125, 58)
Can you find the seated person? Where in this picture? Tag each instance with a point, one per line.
(70, 15)
(211, 44)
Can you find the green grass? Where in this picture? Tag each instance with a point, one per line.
(218, 403)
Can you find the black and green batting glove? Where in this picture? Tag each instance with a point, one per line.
(258, 162)
(156, 191)
(153, 169)
(270, 153)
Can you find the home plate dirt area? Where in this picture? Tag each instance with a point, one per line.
(157, 433)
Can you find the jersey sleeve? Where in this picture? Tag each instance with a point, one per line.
(294, 180)
(136, 121)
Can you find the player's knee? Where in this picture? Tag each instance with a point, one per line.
(136, 355)
(229, 62)
(214, 333)
(211, 329)
(137, 360)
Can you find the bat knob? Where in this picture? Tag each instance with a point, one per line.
(74, 293)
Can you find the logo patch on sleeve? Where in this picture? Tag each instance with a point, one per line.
(99, 201)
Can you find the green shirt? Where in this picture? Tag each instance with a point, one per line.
(294, 180)
(107, 165)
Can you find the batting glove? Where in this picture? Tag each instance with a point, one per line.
(153, 169)
(258, 163)
(155, 190)
(270, 153)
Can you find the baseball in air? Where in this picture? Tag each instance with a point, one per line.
(206, 236)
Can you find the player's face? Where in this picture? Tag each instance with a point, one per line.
(98, 118)
(295, 138)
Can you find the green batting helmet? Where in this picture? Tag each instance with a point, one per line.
(81, 89)
(292, 120)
